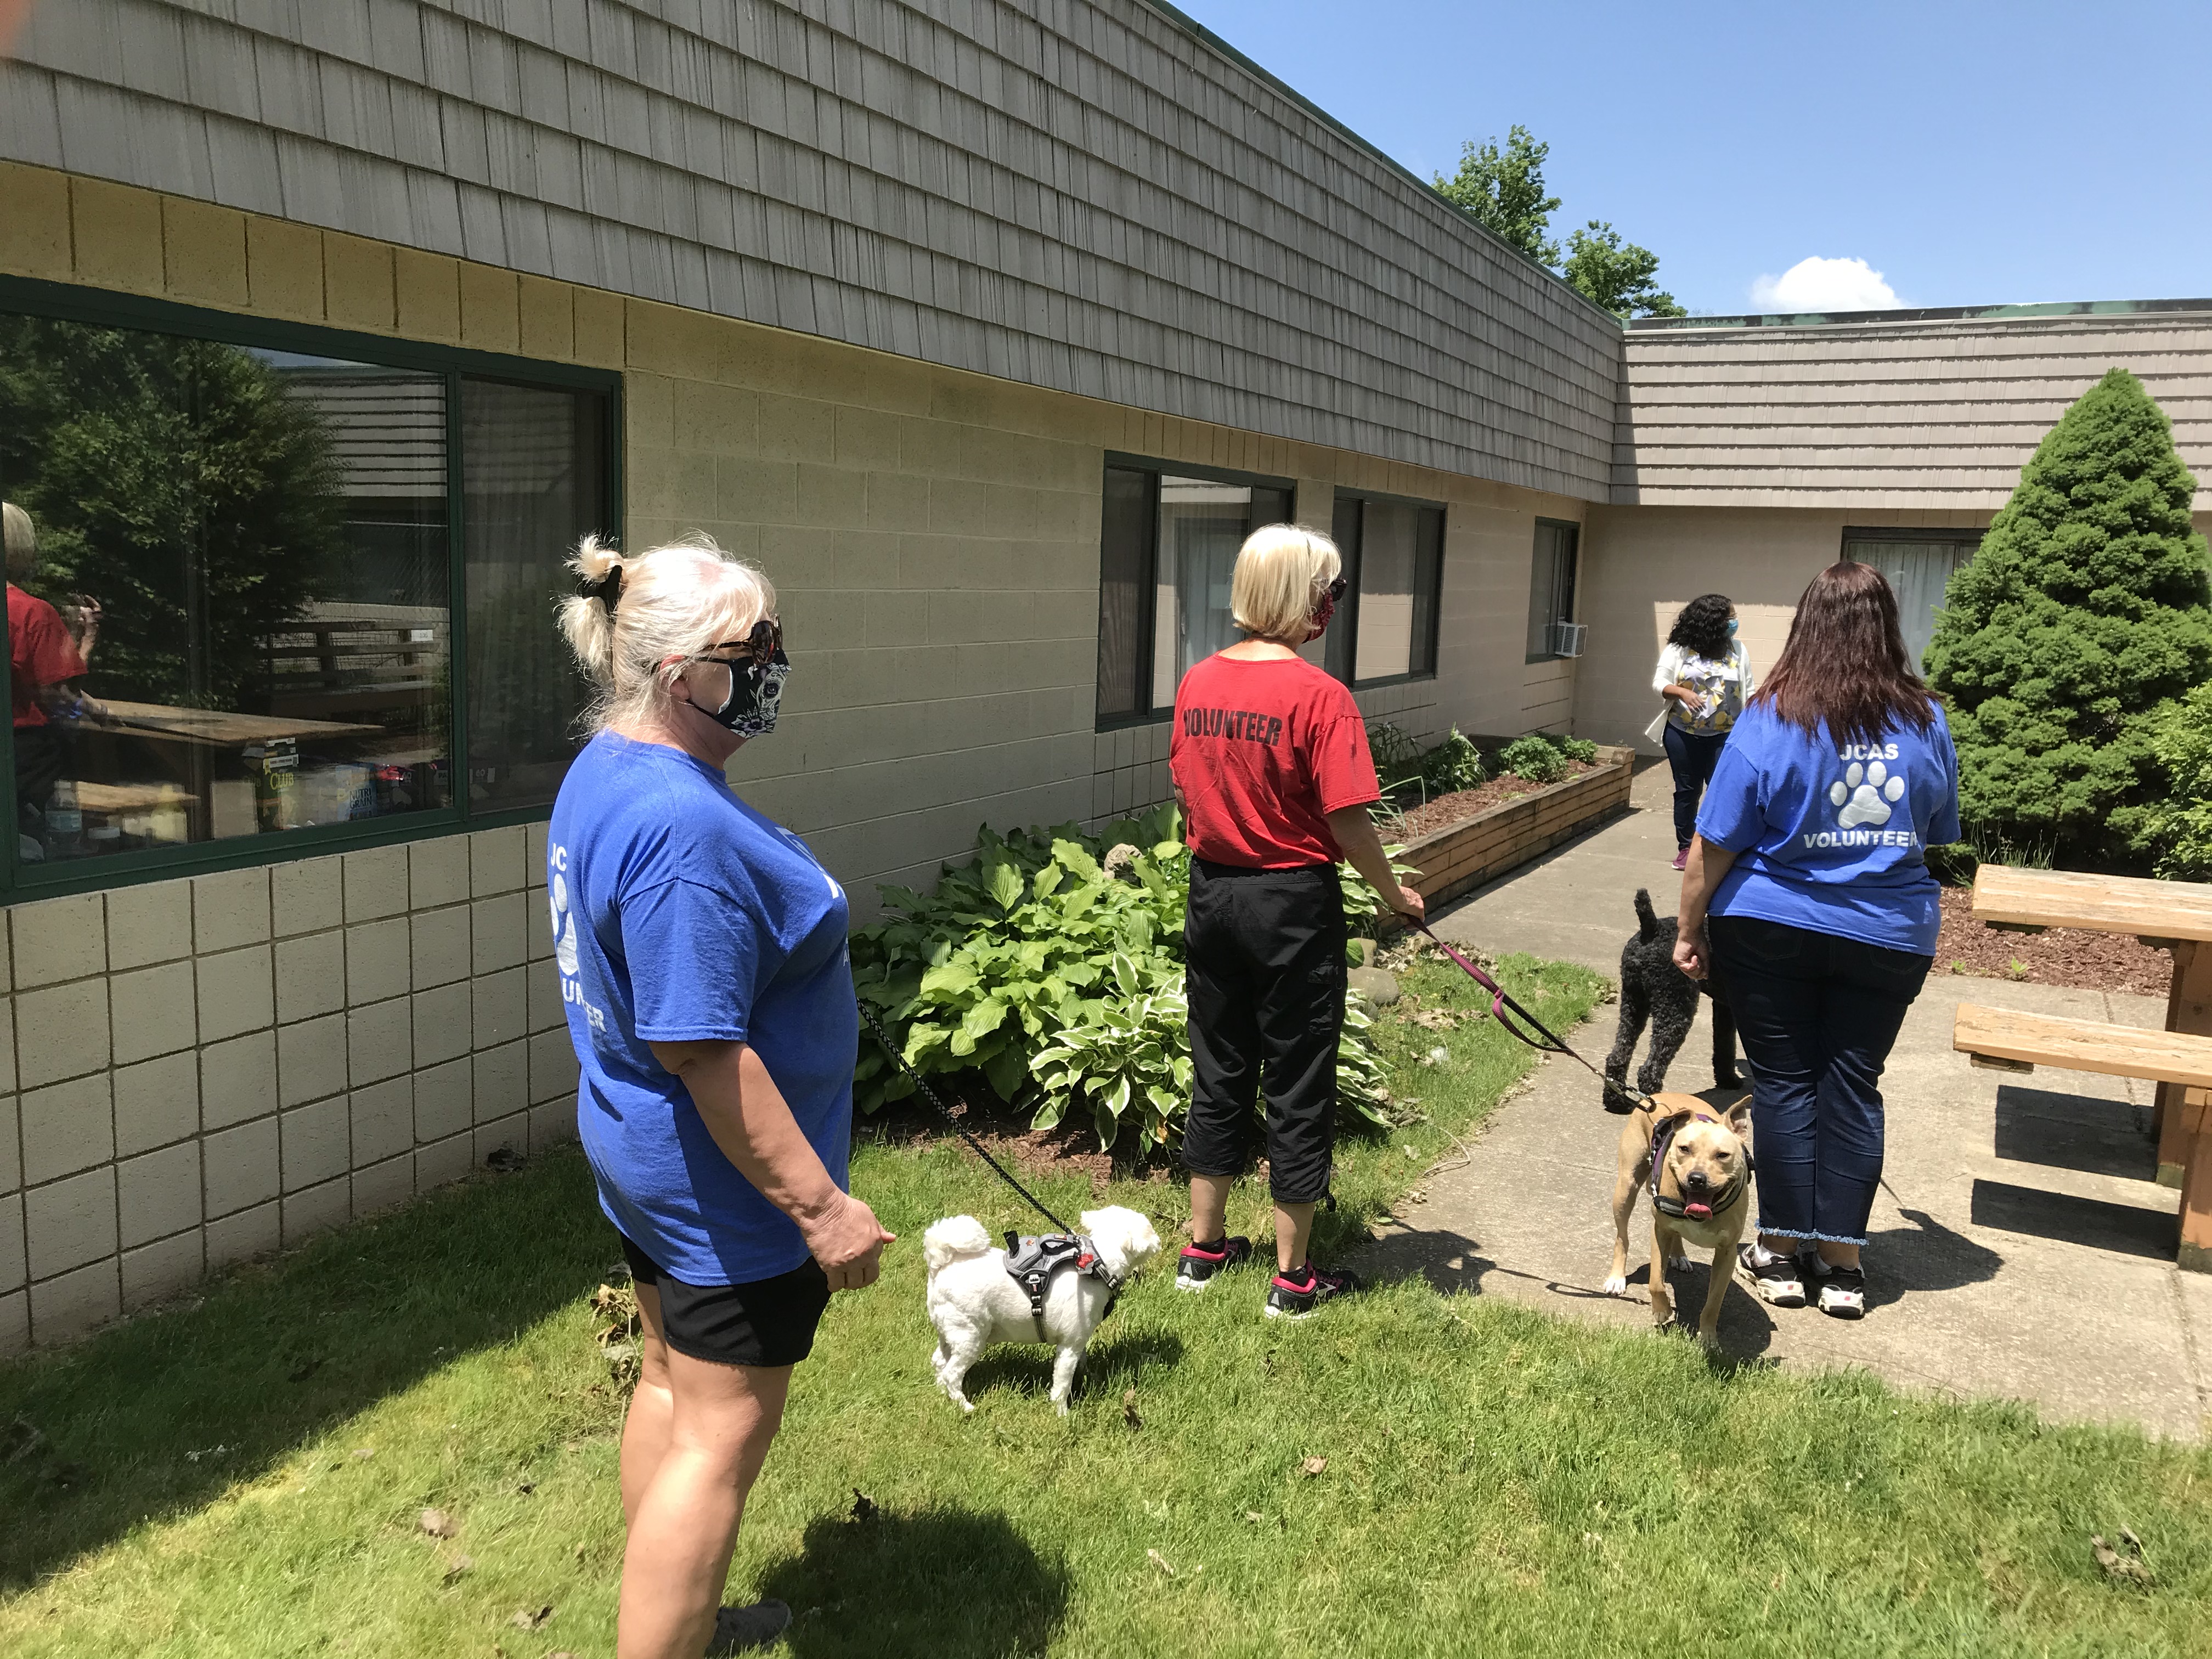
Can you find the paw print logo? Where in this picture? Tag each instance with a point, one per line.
(1865, 794)
(564, 926)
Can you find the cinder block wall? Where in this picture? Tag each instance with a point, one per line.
(207, 1068)
(197, 1071)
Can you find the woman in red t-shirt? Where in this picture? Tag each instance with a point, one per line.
(1270, 761)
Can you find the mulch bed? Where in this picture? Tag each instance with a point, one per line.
(1444, 811)
(2059, 956)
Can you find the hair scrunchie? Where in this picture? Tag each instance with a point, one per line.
(606, 589)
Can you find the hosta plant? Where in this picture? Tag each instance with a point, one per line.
(1053, 965)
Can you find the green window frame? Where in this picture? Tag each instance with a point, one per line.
(22, 880)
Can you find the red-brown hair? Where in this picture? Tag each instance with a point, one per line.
(1845, 665)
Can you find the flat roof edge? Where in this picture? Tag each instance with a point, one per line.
(1920, 314)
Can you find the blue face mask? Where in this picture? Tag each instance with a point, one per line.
(1731, 627)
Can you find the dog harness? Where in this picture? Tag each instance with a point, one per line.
(1032, 1261)
(1663, 1136)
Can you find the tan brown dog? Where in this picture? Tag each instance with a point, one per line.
(1700, 1192)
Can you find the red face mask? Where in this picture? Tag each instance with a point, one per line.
(1325, 609)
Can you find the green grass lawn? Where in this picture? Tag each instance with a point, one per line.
(241, 1477)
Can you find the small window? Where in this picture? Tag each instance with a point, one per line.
(279, 582)
(1919, 564)
(1167, 544)
(1393, 552)
(1552, 630)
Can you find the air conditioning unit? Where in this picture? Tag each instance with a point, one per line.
(1567, 639)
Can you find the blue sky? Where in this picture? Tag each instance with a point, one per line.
(1970, 153)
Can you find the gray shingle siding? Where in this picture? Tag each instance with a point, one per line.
(1079, 193)
(1937, 413)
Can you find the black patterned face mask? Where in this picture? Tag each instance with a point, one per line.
(757, 675)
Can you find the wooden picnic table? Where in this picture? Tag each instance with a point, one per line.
(2177, 916)
(217, 728)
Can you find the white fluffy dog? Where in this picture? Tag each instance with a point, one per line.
(975, 1302)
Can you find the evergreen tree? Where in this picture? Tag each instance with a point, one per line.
(2061, 643)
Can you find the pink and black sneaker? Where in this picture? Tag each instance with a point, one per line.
(1201, 1262)
(1296, 1295)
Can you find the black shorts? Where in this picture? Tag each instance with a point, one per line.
(1264, 974)
(770, 1321)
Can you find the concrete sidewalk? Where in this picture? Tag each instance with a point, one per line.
(2022, 1249)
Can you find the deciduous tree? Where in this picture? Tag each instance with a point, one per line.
(1504, 188)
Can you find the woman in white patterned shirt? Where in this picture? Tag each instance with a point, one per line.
(1704, 676)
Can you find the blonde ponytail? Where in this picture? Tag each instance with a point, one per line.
(650, 612)
(587, 620)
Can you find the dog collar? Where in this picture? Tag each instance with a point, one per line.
(1663, 1136)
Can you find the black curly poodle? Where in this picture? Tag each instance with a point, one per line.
(1654, 990)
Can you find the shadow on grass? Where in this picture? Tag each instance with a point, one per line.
(944, 1581)
(270, 1354)
(1452, 1261)
(1109, 1364)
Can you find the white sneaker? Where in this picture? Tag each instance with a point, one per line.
(1843, 1292)
(1774, 1279)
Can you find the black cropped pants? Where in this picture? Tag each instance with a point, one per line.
(1264, 973)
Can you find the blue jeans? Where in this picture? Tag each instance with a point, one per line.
(1818, 1015)
(1692, 755)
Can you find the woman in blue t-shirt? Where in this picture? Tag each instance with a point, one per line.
(1811, 860)
(709, 998)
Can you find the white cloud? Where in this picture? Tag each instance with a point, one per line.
(1818, 284)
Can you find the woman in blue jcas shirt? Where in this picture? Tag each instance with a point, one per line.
(709, 997)
(1811, 860)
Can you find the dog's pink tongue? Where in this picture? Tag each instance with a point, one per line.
(1698, 1212)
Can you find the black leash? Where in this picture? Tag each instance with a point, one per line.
(1545, 1040)
(944, 1112)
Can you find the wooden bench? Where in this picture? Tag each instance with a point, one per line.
(2020, 1041)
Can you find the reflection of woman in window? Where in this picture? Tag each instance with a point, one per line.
(42, 658)
(1703, 676)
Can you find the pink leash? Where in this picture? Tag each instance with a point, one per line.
(1544, 1040)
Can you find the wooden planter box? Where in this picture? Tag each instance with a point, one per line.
(1458, 859)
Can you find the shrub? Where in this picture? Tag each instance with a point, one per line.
(1578, 749)
(1455, 763)
(2084, 612)
(1533, 759)
(2179, 827)
(1054, 967)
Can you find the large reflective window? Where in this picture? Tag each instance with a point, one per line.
(227, 588)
